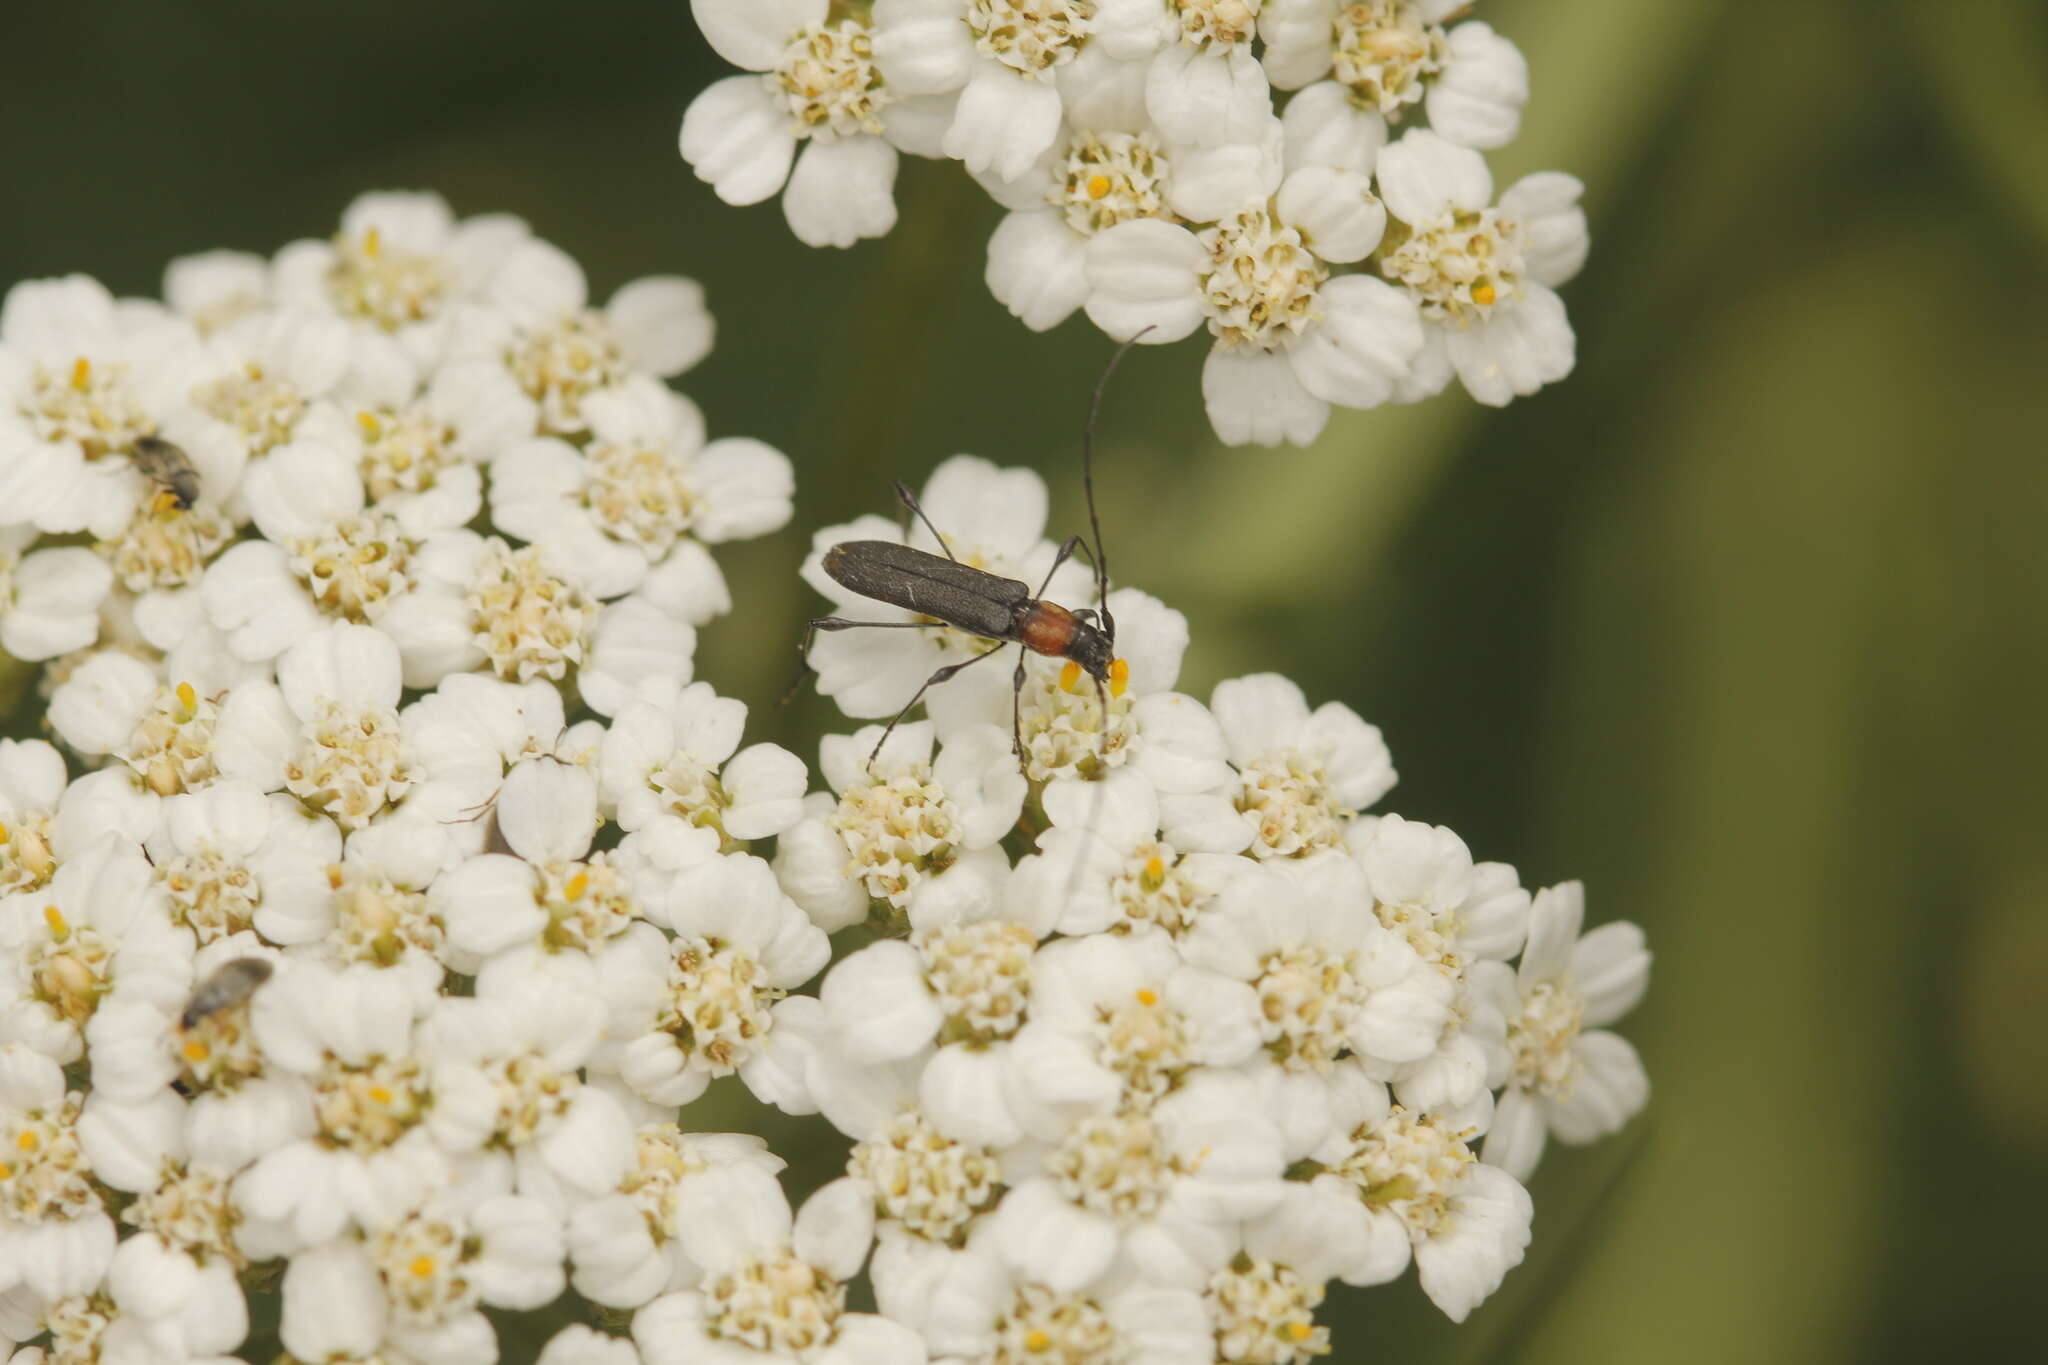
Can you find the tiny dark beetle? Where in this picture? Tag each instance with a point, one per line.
(169, 468)
(1002, 610)
(225, 987)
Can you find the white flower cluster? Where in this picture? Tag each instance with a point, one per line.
(400, 890)
(367, 578)
(1161, 1034)
(1171, 165)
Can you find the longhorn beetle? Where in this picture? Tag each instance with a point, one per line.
(1004, 610)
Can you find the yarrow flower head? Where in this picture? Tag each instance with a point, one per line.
(391, 907)
(330, 777)
(1224, 1033)
(1396, 58)
(1483, 276)
(1180, 165)
(820, 123)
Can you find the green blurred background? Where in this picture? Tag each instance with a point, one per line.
(1744, 623)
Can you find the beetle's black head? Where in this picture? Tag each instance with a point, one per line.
(1093, 649)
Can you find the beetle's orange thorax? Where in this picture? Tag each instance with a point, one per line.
(1046, 628)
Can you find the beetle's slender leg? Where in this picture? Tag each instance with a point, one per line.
(1017, 710)
(811, 629)
(929, 683)
(909, 500)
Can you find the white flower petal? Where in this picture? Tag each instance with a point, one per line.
(662, 325)
(1145, 274)
(1300, 39)
(878, 1004)
(1422, 176)
(1338, 215)
(841, 191)
(1259, 713)
(753, 33)
(1515, 1141)
(521, 1264)
(97, 708)
(727, 1213)
(1131, 30)
(547, 810)
(1099, 91)
(1476, 101)
(1611, 970)
(252, 596)
(1554, 238)
(999, 511)
(1310, 1233)
(1609, 1089)
(302, 489)
(765, 785)
(836, 1226)
(1363, 346)
(577, 1344)
(1208, 98)
(1555, 917)
(1037, 268)
(1414, 864)
(922, 46)
(917, 124)
(746, 486)
(488, 904)
(57, 594)
(866, 1339)
(357, 666)
(1212, 183)
(737, 141)
(1254, 398)
(1325, 127)
(965, 1094)
(1049, 1240)
(333, 1303)
(538, 283)
(62, 1258)
(1488, 1232)
(1004, 122)
(810, 864)
(688, 585)
(612, 1247)
(1518, 350)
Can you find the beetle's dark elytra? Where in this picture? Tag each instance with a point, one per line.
(931, 585)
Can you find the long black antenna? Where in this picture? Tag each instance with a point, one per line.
(1088, 483)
